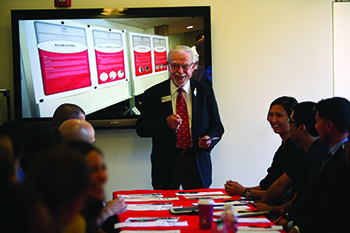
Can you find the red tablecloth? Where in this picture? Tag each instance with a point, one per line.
(184, 202)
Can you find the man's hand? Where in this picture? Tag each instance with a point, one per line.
(112, 208)
(204, 144)
(282, 219)
(115, 207)
(174, 121)
(233, 187)
(261, 206)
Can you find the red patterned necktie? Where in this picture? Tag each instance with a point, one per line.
(183, 132)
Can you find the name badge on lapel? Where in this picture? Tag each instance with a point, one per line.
(166, 98)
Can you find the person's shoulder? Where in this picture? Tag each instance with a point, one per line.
(292, 145)
(319, 148)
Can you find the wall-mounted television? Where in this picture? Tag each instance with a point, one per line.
(100, 59)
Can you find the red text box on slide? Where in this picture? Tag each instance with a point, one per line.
(64, 71)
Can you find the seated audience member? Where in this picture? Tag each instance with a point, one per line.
(22, 211)
(73, 129)
(339, 217)
(96, 214)
(65, 112)
(60, 177)
(302, 130)
(311, 208)
(18, 133)
(38, 140)
(278, 115)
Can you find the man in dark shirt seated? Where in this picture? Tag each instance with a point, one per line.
(302, 130)
(311, 208)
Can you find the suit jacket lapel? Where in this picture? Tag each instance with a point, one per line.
(338, 153)
(165, 91)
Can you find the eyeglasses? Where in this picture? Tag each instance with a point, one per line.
(291, 121)
(176, 66)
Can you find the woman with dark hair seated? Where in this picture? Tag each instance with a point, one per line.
(98, 214)
(278, 115)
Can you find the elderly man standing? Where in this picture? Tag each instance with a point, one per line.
(182, 117)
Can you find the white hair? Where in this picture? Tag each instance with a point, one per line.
(181, 48)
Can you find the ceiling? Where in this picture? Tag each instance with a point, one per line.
(177, 25)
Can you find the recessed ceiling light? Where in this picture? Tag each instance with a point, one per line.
(189, 27)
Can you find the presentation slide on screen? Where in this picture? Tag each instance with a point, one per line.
(160, 49)
(63, 57)
(142, 61)
(149, 60)
(92, 66)
(109, 56)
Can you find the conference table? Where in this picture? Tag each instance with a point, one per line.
(144, 206)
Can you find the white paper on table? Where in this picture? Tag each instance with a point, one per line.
(152, 206)
(260, 229)
(152, 231)
(235, 202)
(152, 199)
(253, 220)
(208, 197)
(149, 219)
(199, 193)
(145, 195)
(237, 208)
(151, 224)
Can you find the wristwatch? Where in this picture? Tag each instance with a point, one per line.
(247, 193)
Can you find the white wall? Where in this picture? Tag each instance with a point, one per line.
(261, 50)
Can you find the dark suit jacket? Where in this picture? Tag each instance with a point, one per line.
(152, 123)
(313, 206)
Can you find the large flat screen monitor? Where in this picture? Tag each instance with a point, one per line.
(99, 59)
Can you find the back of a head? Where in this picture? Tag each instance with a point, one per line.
(337, 110)
(65, 112)
(18, 133)
(73, 129)
(58, 175)
(304, 114)
(38, 140)
(22, 211)
(286, 102)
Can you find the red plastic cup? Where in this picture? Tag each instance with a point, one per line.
(205, 211)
